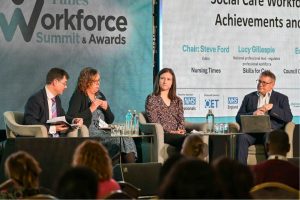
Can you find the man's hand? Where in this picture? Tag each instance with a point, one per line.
(61, 127)
(268, 107)
(78, 121)
(262, 110)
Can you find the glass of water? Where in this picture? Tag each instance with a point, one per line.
(221, 127)
(217, 128)
(226, 128)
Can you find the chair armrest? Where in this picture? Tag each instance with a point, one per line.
(28, 130)
(289, 129)
(158, 132)
(189, 126)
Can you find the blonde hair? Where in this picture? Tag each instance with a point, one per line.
(94, 155)
(194, 146)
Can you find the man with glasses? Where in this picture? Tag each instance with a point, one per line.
(46, 104)
(264, 101)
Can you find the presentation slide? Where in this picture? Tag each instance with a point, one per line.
(109, 35)
(218, 48)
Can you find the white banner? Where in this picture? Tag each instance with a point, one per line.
(218, 48)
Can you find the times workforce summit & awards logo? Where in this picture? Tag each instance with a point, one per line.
(78, 27)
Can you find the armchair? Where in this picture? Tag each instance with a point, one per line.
(161, 150)
(256, 153)
(14, 126)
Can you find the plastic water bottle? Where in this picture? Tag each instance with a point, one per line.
(128, 122)
(135, 127)
(210, 120)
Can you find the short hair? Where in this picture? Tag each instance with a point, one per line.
(278, 140)
(172, 92)
(190, 178)
(268, 73)
(56, 73)
(235, 179)
(77, 183)
(85, 78)
(93, 154)
(194, 146)
(24, 169)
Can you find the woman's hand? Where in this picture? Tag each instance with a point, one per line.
(179, 131)
(98, 103)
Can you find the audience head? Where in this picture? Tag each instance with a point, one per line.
(88, 80)
(193, 146)
(23, 169)
(190, 178)
(165, 80)
(94, 155)
(168, 165)
(235, 179)
(57, 80)
(266, 82)
(278, 142)
(77, 183)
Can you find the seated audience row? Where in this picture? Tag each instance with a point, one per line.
(184, 176)
(90, 162)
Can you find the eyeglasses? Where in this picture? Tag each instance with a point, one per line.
(96, 82)
(63, 83)
(262, 82)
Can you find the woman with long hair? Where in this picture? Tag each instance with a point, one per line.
(163, 106)
(89, 103)
(94, 155)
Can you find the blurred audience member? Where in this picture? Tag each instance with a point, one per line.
(190, 178)
(23, 172)
(235, 179)
(277, 168)
(193, 146)
(168, 165)
(94, 155)
(77, 183)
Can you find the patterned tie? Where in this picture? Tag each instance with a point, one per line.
(54, 113)
(53, 108)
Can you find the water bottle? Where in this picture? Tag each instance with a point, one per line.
(128, 122)
(210, 120)
(135, 127)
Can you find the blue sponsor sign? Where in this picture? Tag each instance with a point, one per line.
(211, 103)
(233, 100)
(189, 100)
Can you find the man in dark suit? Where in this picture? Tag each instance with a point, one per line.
(46, 104)
(277, 168)
(264, 101)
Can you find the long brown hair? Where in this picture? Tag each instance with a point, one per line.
(24, 169)
(172, 92)
(85, 78)
(93, 154)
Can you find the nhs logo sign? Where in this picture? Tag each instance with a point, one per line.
(189, 100)
(233, 100)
